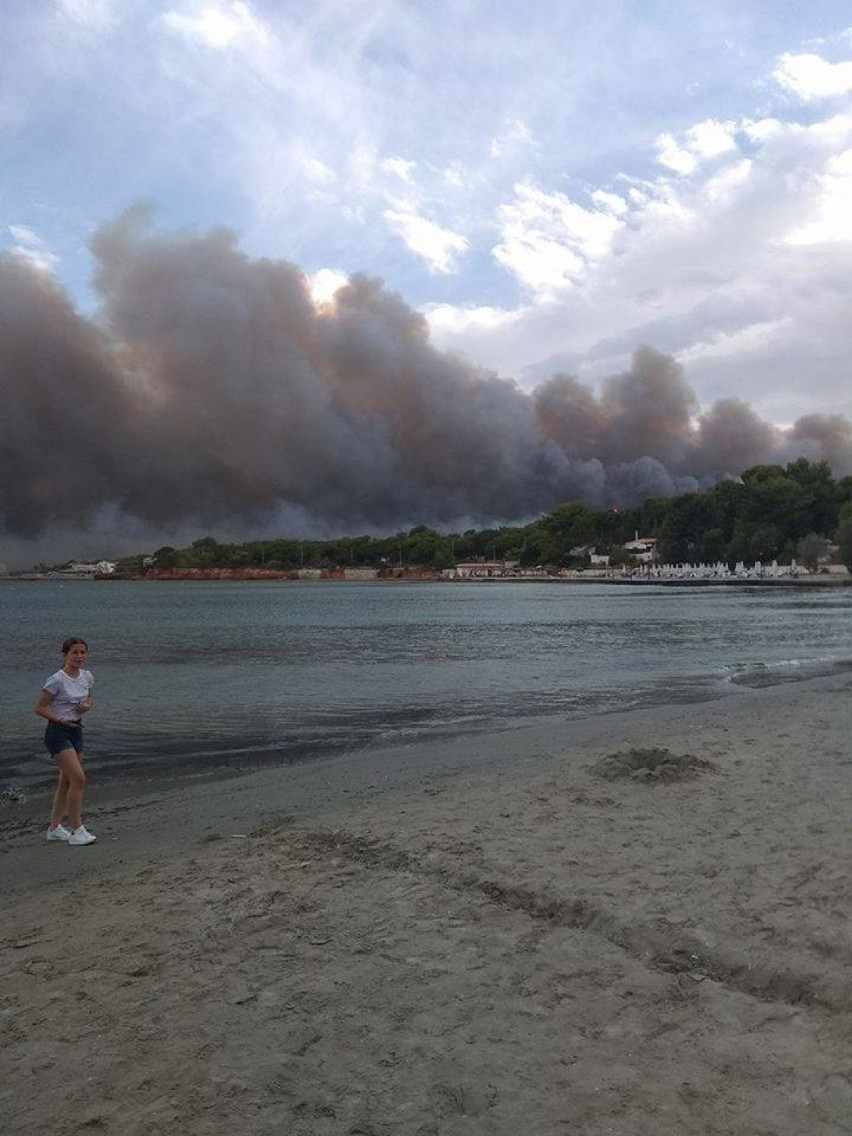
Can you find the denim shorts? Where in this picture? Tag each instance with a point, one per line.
(58, 737)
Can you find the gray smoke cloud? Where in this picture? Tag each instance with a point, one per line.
(210, 390)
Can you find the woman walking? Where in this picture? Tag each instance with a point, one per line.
(65, 698)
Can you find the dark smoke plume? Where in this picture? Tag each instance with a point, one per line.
(211, 390)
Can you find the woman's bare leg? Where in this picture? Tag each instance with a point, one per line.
(72, 769)
(60, 800)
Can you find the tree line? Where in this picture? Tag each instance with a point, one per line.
(771, 512)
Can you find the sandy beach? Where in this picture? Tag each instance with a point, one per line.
(636, 924)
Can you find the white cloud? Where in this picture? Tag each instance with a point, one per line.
(673, 156)
(703, 141)
(399, 167)
(23, 234)
(726, 259)
(830, 132)
(729, 180)
(440, 248)
(542, 264)
(831, 215)
(356, 214)
(448, 320)
(812, 77)
(317, 172)
(28, 245)
(710, 138)
(610, 202)
(456, 176)
(742, 341)
(514, 135)
(217, 26)
(761, 129)
(547, 241)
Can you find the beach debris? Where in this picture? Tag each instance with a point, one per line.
(12, 797)
(302, 1048)
(93, 1120)
(469, 1098)
(651, 766)
(22, 944)
(241, 996)
(139, 970)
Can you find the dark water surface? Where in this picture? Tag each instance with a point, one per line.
(200, 676)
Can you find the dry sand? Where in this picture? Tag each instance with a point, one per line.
(542, 931)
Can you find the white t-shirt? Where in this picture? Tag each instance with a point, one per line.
(68, 691)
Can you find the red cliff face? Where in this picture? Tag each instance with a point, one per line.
(218, 574)
(275, 574)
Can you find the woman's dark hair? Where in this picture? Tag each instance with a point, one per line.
(72, 642)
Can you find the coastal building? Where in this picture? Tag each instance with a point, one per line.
(643, 549)
(360, 573)
(479, 569)
(94, 568)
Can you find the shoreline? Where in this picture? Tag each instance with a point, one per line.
(190, 806)
(481, 934)
(256, 796)
(34, 776)
(244, 576)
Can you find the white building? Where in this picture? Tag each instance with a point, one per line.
(643, 549)
(96, 568)
(360, 573)
(479, 570)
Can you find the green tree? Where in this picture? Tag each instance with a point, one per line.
(681, 531)
(843, 536)
(773, 498)
(572, 524)
(166, 557)
(713, 546)
(765, 542)
(130, 566)
(648, 518)
(810, 550)
(820, 491)
(206, 553)
(739, 546)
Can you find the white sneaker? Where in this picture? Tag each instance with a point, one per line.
(58, 833)
(81, 836)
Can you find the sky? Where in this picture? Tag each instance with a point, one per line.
(550, 185)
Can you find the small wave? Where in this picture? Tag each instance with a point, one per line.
(786, 670)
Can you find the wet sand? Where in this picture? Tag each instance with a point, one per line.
(634, 924)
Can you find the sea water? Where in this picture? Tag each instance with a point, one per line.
(197, 677)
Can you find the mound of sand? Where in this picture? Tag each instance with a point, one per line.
(653, 766)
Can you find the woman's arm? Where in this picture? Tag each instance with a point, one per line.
(44, 709)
